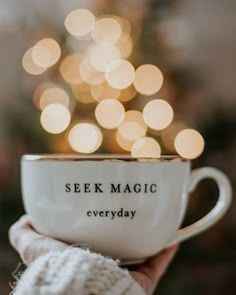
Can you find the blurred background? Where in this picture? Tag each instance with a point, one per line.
(193, 43)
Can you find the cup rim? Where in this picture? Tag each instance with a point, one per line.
(98, 157)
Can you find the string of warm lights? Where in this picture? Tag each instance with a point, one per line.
(102, 74)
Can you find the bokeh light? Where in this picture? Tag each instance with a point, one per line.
(29, 65)
(189, 144)
(55, 118)
(85, 138)
(158, 114)
(106, 31)
(89, 74)
(97, 71)
(80, 22)
(168, 135)
(46, 52)
(39, 91)
(69, 69)
(102, 55)
(127, 94)
(124, 23)
(103, 91)
(82, 93)
(125, 45)
(146, 147)
(110, 113)
(148, 79)
(54, 95)
(120, 74)
(86, 37)
(133, 126)
(76, 44)
(124, 143)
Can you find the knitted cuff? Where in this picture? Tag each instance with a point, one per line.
(76, 272)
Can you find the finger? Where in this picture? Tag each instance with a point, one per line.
(149, 274)
(29, 243)
(16, 229)
(161, 263)
(156, 266)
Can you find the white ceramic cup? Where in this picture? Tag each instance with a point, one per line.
(128, 209)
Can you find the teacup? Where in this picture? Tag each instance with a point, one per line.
(116, 205)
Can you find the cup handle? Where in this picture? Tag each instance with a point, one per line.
(223, 203)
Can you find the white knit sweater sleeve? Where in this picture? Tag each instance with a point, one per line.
(76, 272)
